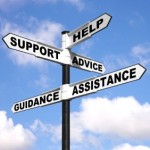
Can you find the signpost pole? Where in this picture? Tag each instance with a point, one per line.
(65, 105)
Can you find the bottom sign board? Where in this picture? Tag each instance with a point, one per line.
(70, 91)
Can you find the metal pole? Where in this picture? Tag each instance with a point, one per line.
(65, 105)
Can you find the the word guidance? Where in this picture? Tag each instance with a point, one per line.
(37, 101)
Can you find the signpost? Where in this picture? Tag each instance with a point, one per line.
(66, 58)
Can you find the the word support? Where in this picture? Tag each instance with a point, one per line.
(25, 45)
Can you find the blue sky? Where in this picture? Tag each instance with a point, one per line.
(113, 119)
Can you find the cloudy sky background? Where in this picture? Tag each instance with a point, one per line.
(113, 119)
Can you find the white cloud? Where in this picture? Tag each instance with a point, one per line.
(45, 1)
(85, 47)
(43, 81)
(55, 131)
(142, 53)
(44, 31)
(77, 141)
(123, 117)
(78, 3)
(14, 137)
(23, 59)
(118, 116)
(136, 19)
(141, 49)
(112, 62)
(6, 5)
(139, 53)
(127, 146)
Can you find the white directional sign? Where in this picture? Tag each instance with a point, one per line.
(87, 30)
(34, 48)
(86, 63)
(38, 101)
(51, 53)
(106, 81)
(69, 91)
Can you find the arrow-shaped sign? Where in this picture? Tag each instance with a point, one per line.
(44, 99)
(87, 30)
(95, 84)
(52, 53)
(85, 63)
(70, 91)
(25, 45)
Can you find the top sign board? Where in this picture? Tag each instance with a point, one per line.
(87, 30)
(52, 53)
